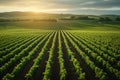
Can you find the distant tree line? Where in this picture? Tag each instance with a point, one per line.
(45, 20)
(74, 17)
(109, 19)
(118, 19)
(81, 18)
(13, 20)
(35, 20)
(105, 19)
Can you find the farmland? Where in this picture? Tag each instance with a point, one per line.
(62, 50)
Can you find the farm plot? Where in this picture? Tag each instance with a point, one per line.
(59, 55)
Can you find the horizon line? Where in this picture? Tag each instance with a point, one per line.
(56, 13)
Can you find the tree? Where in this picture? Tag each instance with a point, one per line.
(72, 17)
(117, 19)
(105, 19)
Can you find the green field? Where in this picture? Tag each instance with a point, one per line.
(61, 50)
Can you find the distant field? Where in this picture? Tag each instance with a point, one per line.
(60, 50)
(63, 25)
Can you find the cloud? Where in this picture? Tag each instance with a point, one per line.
(72, 6)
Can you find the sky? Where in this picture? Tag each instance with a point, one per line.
(62, 6)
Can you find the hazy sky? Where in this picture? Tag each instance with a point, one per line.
(62, 6)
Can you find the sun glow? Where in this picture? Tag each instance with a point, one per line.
(62, 6)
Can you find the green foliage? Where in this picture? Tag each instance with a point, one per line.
(99, 50)
(8, 77)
